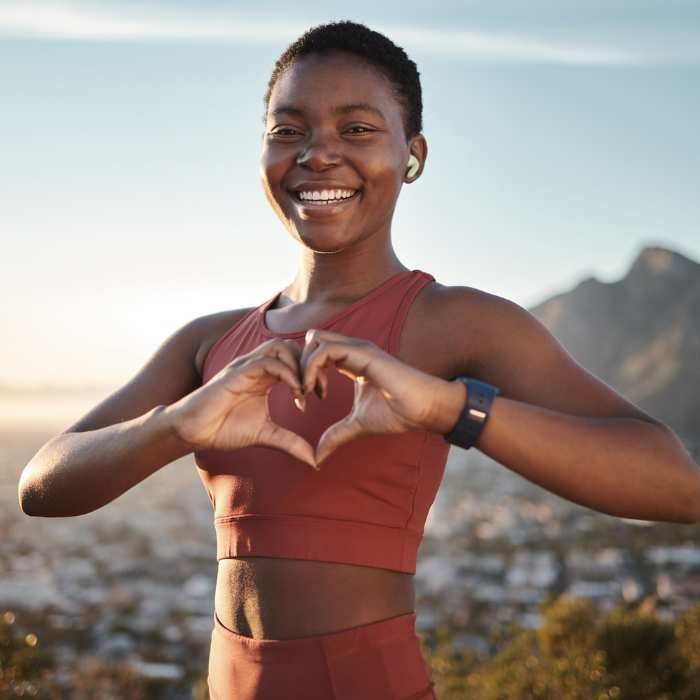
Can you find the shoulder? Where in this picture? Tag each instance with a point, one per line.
(447, 323)
(206, 330)
(471, 325)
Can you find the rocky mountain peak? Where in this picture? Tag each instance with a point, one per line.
(640, 334)
(658, 262)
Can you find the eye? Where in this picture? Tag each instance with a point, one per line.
(364, 129)
(285, 131)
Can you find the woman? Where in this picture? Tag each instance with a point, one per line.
(320, 502)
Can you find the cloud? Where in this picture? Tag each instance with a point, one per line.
(481, 45)
(50, 20)
(73, 21)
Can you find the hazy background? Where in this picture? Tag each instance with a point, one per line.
(563, 173)
(562, 138)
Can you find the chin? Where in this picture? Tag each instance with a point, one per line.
(321, 243)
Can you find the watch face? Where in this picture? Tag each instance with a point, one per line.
(477, 415)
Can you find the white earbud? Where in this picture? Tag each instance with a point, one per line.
(412, 165)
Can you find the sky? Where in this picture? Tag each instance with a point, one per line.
(562, 139)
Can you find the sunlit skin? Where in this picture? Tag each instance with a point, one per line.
(625, 462)
(553, 422)
(323, 140)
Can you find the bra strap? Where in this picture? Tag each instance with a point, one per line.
(417, 283)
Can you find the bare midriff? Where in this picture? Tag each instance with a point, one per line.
(273, 598)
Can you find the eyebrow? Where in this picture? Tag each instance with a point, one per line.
(340, 109)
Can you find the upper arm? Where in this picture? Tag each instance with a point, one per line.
(171, 372)
(515, 352)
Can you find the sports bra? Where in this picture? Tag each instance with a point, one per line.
(369, 502)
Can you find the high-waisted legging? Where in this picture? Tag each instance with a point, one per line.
(378, 661)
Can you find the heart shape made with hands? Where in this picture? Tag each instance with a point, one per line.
(389, 395)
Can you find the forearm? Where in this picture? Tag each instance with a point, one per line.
(621, 466)
(77, 473)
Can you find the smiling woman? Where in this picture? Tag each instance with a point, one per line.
(321, 419)
(335, 151)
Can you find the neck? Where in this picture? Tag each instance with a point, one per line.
(343, 276)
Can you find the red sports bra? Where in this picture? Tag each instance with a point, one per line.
(369, 502)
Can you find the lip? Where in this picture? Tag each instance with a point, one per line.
(320, 185)
(311, 208)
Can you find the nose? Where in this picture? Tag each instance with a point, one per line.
(320, 152)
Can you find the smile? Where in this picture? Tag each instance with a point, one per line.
(324, 195)
(324, 201)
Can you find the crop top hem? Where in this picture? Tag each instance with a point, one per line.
(318, 539)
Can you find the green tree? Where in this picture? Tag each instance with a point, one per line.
(24, 665)
(641, 656)
(687, 633)
(578, 654)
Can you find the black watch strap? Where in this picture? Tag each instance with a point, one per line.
(472, 419)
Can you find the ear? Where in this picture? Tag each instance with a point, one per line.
(418, 147)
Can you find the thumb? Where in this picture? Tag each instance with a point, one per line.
(279, 438)
(336, 435)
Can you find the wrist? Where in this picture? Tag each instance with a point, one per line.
(167, 419)
(450, 397)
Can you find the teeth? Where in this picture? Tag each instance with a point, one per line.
(325, 195)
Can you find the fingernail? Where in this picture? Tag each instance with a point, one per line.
(318, 390)
(300, 403)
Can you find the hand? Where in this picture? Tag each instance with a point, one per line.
(230, 411)
(390, 396)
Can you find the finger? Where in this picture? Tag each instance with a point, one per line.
(279, 438)
(336, 435)
(288, 351)
(322, 382)
(266, 371)
(350, 359)
(319, 334)
(313, 338)
(323, 376)
(311, 342)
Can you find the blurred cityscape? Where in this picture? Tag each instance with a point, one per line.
(133, 583)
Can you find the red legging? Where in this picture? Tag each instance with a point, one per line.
(378, 661)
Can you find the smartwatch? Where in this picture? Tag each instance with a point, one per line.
(472, 419)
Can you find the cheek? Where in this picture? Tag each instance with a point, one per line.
(272, 167)
(385, 182)
(382, 168)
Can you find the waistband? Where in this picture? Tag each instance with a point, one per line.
(398, 627)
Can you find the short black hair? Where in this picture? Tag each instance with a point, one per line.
(375, 48)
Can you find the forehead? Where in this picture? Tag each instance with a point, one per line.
(319, 82)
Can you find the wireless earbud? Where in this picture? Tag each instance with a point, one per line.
(413, 165)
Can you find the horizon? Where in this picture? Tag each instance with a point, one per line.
(78, 391)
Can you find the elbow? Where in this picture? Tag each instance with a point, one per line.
(36, 502)
(691, 513)
(27, 510)
(690, 519)
(35, 506)
(686, 502)
(31, 496)
(26, 507)
(28, 500)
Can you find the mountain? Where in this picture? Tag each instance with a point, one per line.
(640, 334)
